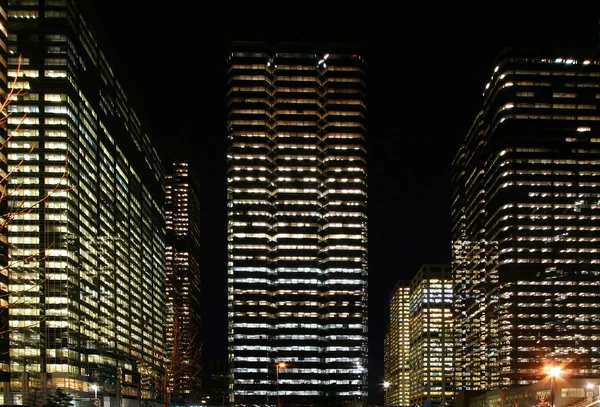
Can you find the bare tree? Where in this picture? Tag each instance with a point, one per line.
(175, 365)
(59, 398)
(40, 395)
(542, 401)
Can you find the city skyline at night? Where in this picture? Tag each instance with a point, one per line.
(425, 86)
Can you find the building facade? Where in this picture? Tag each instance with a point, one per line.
(4, 333)
(396, 372)
(297, 225)
(525, 217)
(86, 245)
(563, 392)
(418, 346)
(431, 336)
(183, 325)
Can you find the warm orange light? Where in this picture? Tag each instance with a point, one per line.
(553, 371)
(281, 365)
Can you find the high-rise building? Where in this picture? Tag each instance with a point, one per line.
(297, 225)
(418, 346)
(396, 372)
(86, 250)
(183, 334)
(525, 216)
(431, 336)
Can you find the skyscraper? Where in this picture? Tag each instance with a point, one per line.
(525, 216)
(182, 215)
(396, 370)
(86, 256)
(419, 341)
(431, 336)
(297, 225)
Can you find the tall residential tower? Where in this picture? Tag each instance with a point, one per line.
(86, 250)
(526, 216)
(297, 225)
(183, 333)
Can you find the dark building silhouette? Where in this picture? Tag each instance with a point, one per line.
(183, 327)
(219, 382)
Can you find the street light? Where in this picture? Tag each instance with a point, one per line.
(386, 385)
(280, 365)
(95, 388)
(553, 372)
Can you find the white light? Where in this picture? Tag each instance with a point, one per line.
(326, 56)
(582, 129)
(586, 62)
(496, 69)
(488, 85)
(558, 60)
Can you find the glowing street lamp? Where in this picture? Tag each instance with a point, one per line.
(95, 388)
(553, 372)
(386, 385)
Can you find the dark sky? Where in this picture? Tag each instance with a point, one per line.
(427, 65)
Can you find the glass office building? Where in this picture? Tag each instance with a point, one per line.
(526, 216)
(431, 326)
(297, 225)
(86, 250)
(396, 349)
(418, 346)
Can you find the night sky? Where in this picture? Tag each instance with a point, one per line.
(426, 65)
